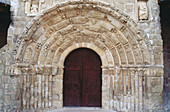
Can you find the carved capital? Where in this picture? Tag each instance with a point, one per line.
(15, 70)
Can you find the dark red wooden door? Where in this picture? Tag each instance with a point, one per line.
(82, 79)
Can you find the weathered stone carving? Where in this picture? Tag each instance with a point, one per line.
(96, 26)
(54, 71)
(28, 55)
(15, 70)
(39, 46)
(33, 7)
(142, 10)
(24, 70)
(27, 6)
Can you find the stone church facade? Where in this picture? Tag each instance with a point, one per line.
(125, 34)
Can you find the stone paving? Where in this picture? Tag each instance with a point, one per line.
(82, 109)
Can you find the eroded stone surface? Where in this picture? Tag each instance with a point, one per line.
(128, 43)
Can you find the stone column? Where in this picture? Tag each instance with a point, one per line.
(111, 90)
(57, 87)
(105, 88)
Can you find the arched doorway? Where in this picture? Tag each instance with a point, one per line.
(82, 79)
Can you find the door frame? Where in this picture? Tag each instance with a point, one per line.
(81, 52)
(107, 75)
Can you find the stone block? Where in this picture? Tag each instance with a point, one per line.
(57, 104)
(7, 100)
(156, 81)
(17, 31)
(154, 72)
(58, 84)
(159, 72)
(20, 12)
(56, 97)
(20, 24)
(153, 100)
(105, 104)
(157, 89)
(129, 8)
(53, 13)
(158, 49)
(153, 84)
(106, 95)
(57, 78)
(106, 80)
(159, 61)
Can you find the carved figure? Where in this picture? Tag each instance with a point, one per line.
(142, 11)
(28, 55)
(27, 6)
(34, 8)
(31, 6)
(40, 5)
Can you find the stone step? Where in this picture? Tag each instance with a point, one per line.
(81, 109)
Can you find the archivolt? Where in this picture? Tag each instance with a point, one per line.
(102, 55)
(78, 23)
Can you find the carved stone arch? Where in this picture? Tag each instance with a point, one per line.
(28, 56)
(102, 12)
(67, 26)
(102, 54)
(57, 53)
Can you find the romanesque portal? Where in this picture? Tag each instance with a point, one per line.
(124, 49)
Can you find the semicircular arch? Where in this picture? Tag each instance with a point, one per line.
(103, 56)
(105, 26)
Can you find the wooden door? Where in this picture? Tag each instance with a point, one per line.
(82, 79)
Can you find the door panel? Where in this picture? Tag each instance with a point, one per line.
(91, 88)
(72, 88)
(82, 78)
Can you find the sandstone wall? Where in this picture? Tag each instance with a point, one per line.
(144, 13)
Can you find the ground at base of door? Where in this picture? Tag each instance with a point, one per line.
(86, 109)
